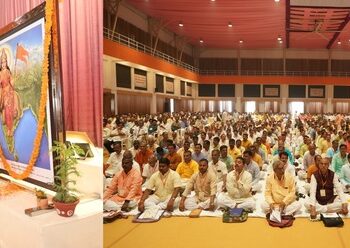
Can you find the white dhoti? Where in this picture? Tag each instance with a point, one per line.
(262, 175)
(219, 186)
(256, 187)
(192, 202)
(153, 201)
(224, 200)
(307, 188)
(288, 210)
(110, 205)
(302, 175)
(107, 181)
(334, 207)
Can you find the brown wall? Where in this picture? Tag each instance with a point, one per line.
(129, 102)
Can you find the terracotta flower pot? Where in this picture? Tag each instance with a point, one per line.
(65, 209)
(42, 203)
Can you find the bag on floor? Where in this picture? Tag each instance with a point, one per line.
(335, 221)
(110, 216)
(234, 215)
(286, 221)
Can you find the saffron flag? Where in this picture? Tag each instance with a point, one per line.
(22, 53)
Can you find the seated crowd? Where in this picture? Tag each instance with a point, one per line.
(219, 160)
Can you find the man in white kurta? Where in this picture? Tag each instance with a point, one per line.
(324, 183)
(150, 168)
(238, 185)
(114, 159)
(219, 169)
(203, 183)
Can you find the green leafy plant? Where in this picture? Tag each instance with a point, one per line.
(40, 194)
(66, 161)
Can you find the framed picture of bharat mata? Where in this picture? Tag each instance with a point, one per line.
(30, 102)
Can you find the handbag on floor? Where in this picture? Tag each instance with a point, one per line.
(234, 215)
(332, 220)
(286, 221)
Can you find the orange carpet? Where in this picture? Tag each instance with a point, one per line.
(211, 232)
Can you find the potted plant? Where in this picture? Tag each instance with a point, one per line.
(41, 199)
(65, 200)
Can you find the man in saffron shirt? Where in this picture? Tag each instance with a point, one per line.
(173, 156)
(143, 155)
(125, 189)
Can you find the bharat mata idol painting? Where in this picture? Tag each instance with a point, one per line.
(22, 55)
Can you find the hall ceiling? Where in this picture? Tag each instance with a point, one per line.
(256, 24)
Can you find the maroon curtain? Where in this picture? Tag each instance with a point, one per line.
(11, 9)
(81, 51)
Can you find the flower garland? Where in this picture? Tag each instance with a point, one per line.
(43, 100)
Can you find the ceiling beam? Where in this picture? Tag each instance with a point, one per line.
(336, 35)
(287, 22)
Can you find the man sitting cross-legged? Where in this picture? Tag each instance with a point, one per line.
(238, 185)
(322, 186)
(280, 191)
(204, 185)
(166, 184)
(125, 188)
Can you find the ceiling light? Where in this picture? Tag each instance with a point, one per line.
(201, 40)
(241, 41)
(212, 0)
(229, 25)
(339, 42)
(181, 24)
(277, 1)
(280, 41)
(279, 38)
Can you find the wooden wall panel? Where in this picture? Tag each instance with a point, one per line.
(340, 65)
(218, 64)
(251, 65)
(133, 103)
(269, 65)
(320, 65)
(108, 103)
(177, 105)
(160, 104)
